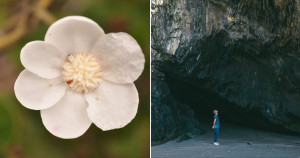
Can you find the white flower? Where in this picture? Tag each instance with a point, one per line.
(79, 75)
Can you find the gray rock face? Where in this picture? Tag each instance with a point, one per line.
(170, 118)
(239, 56)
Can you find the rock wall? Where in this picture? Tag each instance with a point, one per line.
(241, 56)
(170, 118)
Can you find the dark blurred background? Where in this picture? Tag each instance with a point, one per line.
(22, 134)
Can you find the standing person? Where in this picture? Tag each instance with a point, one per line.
(216, 127)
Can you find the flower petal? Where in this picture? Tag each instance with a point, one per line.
(74, 34)
(112, 105)
(121, 58)
(68, 118)
(43, 59)
(38, 93)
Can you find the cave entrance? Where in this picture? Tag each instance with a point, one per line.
(203, 102)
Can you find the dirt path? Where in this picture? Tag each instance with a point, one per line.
(235, 142)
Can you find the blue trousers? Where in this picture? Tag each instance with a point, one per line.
(216, 134)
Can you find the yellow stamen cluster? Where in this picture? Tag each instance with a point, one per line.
(82, 72)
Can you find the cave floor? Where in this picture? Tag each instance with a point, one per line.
(235, 141)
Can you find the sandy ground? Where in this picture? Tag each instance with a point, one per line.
(235, 141)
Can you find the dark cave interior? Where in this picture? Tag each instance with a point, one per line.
(203, 103)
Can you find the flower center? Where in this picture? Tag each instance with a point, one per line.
(82, 72)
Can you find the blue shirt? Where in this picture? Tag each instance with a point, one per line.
(217, 125)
